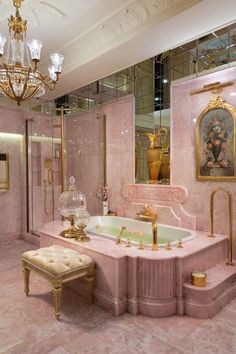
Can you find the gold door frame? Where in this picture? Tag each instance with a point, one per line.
(5, 181)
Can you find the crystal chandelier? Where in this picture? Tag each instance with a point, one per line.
(18, 80)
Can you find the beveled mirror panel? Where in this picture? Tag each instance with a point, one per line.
(152, 117)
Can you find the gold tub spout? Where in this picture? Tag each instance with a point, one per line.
(119, 238)
(148, 215)
(230, 237)
(154, 236)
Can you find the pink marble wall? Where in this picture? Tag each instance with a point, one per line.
(120, 147)
(84, 141)
(84, 150)
(11, 212)
(12, 141)
(184, 112)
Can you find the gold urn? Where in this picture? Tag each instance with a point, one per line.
(154, 153)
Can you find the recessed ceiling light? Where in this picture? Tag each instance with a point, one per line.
(233, 93)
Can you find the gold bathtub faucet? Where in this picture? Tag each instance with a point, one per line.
(119, 238)
(154, 235)
(148, 215)
(230, 237)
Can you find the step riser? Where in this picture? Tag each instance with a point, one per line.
(204, 259)
(210, 308)
(204, 294)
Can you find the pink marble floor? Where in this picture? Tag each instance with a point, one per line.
(27, 325)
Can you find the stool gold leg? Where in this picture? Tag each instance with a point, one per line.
(26, 273)
(90, 287)
(57, 290)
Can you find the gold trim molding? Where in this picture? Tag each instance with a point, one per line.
(214, 87)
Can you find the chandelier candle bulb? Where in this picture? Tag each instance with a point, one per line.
(2, 43)
(57, 60)
(35, 47)
(52, 74)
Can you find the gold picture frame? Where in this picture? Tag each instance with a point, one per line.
(215, 142)
(4, 172)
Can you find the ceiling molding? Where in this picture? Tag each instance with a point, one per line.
(119, 28)
(32, 10)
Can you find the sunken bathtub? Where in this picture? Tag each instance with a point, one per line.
(136, 231)
(139, 281)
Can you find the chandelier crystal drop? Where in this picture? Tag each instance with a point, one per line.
(19, 81)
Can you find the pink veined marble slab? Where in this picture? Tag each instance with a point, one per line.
(166, 200)
(157, 193)
(185, 110)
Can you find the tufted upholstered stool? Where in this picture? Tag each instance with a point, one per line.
(59, 265)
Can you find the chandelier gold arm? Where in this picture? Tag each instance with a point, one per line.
(17, 80)
(29, 89)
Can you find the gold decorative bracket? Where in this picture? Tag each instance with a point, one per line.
(215, 88)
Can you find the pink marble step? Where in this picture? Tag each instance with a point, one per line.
(219, 291)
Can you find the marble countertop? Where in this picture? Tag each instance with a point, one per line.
(108, 247)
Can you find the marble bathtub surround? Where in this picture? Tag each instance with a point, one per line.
(151, 283)
(82, 325)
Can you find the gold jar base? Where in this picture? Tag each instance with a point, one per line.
(72, 232)
(198, 279)
(78, 234)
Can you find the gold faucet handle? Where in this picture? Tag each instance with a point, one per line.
(128, 244)
(168, 246)
(180, 244)
(140, 246)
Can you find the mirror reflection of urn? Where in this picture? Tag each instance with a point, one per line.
(165, 165)
(154, 153)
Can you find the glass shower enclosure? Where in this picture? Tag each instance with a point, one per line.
(60, 145)
(44, 173)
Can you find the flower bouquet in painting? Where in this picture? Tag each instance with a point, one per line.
(216, 144)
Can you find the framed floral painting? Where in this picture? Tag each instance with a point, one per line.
(215, 140)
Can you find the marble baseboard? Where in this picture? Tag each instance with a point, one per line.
(114, 306)
(211, 307)
(11, 236)
(133, 305)
(157, 308)
(33, 239)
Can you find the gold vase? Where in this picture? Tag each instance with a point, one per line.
(154, 153)
(154, 163)
(165, 166)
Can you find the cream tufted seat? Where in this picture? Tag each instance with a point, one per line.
(59, 265)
